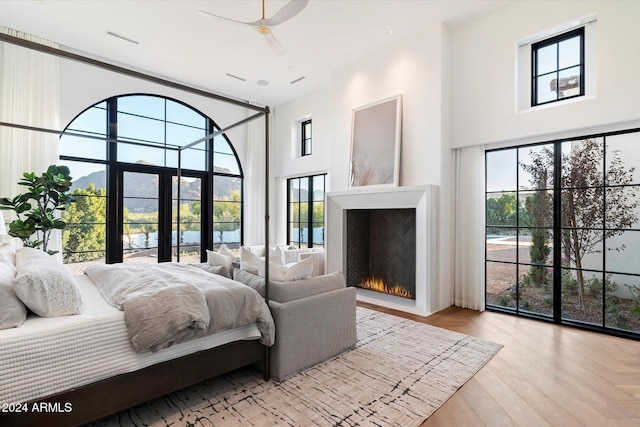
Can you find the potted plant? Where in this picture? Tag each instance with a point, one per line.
(36, 208)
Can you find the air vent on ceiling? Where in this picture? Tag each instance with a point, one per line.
(236, 77)
(121, 37)
(297, 80)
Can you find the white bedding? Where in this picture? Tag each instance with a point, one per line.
(49, 355)
(167, 303)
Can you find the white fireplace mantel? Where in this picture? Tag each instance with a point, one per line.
(424, 199)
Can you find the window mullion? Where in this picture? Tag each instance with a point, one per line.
(310, 213)
(557, 232)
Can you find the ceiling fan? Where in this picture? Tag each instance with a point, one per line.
(264, 25)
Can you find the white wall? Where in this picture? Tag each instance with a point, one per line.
(459, 89)
(286, 160)
(483, 74)
(415, 67)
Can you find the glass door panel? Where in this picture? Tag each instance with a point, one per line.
(140, 201)
(563, 237)
(227, 212)
(186, 229)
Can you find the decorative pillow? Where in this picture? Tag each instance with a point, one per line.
(224, 257)
(249, 261)
(8, 256)
(44, 286)
(224, 250)
(249, 279)
(287, 273)
(214, 269)
(12, 312)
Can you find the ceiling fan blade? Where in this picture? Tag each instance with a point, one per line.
(274, 44)
(222, 18)
(287, 12)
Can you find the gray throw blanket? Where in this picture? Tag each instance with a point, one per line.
(167, 303)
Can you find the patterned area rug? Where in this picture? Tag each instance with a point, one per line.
(399, 373)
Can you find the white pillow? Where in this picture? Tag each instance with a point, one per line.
(44, 285)
(12, 312)
(224, 250)
(249, 261)
(8, 256)
(223, 258)
(287, 273)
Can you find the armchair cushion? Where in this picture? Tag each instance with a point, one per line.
(292, 290)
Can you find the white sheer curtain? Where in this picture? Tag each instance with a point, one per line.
(468, 266)
(29, 95)
(254, 173)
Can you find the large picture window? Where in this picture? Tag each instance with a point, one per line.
(563, 231)
(123, 157)
(305, 211)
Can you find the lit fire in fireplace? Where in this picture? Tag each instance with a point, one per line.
(375, 284)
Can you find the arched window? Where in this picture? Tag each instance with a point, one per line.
(124, 154)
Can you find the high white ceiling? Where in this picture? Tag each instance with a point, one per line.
(178, 43)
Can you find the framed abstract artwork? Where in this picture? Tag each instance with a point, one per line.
(375, 144)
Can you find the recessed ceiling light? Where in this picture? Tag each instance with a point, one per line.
(391, 31)
(297, 80)
(121, 37)
(263, 82)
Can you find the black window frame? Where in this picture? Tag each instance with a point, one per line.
(535, 47)
(306, 138)
(114, 168)
(309, 202)
(558, 225)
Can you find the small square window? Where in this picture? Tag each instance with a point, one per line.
(558, 68)
(305, 137)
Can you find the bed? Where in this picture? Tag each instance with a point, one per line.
(73, 369)
(105, 393)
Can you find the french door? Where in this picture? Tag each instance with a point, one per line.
(151, 226)
(563, 231)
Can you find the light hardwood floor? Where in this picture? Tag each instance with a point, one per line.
(546, 375)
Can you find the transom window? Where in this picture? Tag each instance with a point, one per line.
(123, 157)
(558, 67)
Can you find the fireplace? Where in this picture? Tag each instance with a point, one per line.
(381, 250)
(390, 234)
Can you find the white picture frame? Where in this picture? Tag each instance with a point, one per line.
(376, 135)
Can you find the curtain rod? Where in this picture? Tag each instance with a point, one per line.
(121, 70)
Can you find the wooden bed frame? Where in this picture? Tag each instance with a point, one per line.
(112, 395)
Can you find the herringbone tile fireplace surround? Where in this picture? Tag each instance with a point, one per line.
(390, 234)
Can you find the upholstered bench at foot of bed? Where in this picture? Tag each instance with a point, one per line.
(311, 330)
(315, 320)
